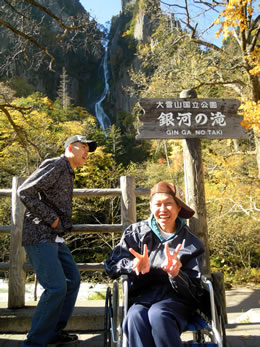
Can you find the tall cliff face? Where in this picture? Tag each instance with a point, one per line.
(126, 3)
(81, 60)
(134, 25)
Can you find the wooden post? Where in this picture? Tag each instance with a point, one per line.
(16, 287)
(128, 200)
(219, 288)
(194, 186)
(195, 198)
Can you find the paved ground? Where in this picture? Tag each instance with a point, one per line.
(85, 340)
(243, 329)
(243, 308)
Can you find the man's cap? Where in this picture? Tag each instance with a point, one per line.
(169, 188)
(79, 138)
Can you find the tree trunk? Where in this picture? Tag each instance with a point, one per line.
(236, 144)
(257, 147)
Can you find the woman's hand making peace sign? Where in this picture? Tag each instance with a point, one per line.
(141, 262)
(172, 263)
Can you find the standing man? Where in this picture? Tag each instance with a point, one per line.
(47, 195)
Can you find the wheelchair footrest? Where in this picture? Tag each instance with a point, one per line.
(197, 323)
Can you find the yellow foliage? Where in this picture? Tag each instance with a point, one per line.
(68, 129)
(234, 16)
(236, 19)
(250, 111)
(175, 147)
(31, 127)
(254, 60)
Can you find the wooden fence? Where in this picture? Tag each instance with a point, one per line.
(17, 266)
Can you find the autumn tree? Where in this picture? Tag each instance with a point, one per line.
(34, 128)
(239, 22)
(179, 57)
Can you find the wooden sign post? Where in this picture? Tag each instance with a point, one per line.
(191, 118)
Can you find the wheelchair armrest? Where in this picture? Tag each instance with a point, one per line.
(205, 278)
(124, 282)
(123, 278)
(125, 293)
(207, 284)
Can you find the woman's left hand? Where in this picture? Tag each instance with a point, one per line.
(141, 262)
(172, 264)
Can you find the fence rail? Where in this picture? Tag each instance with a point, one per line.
(17, 266)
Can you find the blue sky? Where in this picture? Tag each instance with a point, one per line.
(102, 10)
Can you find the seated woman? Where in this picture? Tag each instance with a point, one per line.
(163, 261)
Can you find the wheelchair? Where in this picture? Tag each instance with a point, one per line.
(206, 326)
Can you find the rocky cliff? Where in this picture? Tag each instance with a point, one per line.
(79, 54)
(133, 26)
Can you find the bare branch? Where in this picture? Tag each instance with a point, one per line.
(14, 9)
(52, 15)
(19, 18)
(209, 45)
(28, 38)
(172, 5)
(238, 82)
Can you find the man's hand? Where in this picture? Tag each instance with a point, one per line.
(141, 262)
(172, 264)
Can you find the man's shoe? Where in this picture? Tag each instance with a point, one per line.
(72, 337)
(64, 338)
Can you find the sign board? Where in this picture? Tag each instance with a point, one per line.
(180, 118)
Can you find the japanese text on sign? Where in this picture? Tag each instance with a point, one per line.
(186, 119)
(190, 118)
(186, 104)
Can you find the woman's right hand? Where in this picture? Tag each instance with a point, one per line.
(141, 262)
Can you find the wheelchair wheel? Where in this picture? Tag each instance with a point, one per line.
(107, 320)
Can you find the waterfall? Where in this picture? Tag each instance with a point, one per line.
(101, 115)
